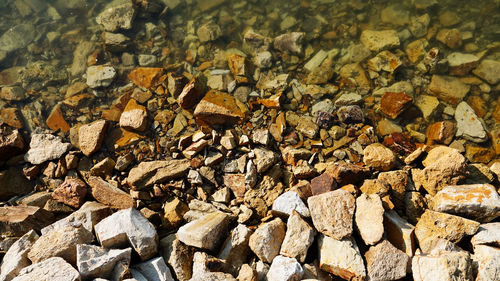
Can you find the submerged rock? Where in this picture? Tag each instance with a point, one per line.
(116, 17)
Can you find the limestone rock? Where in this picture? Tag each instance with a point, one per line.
(94, 261)
(218, 108)
(116, 17)
(445, 265)
(149, 173)
(285, 269)
(53, 269)
(155, 270)
(488, 70)
(206, 232)
(469, 125)
(203, 268)
(488, 233)
(235, 249)
(447, 88)
(178, 255)
(290, 201)
(379, 40)
(44, 147)
(399, 232)
(379, 157)
(488, 260)
(17, 220)
(386, 262)
(266, 241)
(298, 237)
(264, 159)
(332, 213)
(369, 218)
(109, 195)
(100, 76)
(16, 257)
(71, 192)
(341, 258)
(134, 116)
(91, 136)
(128, 226)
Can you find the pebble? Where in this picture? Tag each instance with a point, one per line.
(147, 77)
(299, 237)
(379, 40)
(209, 31)
(348, 99)
(266, 241)
(206, 232)
(134, 116)
(288, 202)
(11, 143)
(91, 136)
(100, 76)
(341, 258)
(14, 93)
(55, 268)
(264, 159)
(469, 125)
(285, 269)
(449, 89)
(350, 114)
(369, 218)
(386, 262)
(393, 104)
(45, 147)
(488, 70)
(150, 172)
(218, 108)
(461, 64)
(289, 42)
(109, 194)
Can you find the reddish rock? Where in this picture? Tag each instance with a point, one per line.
(71, 192)
(12, 117)
(400, 143)
(146, 77)
(393, 104)
(17, 220)
(110, 195)
(323, 183)
(56, 121)
(478, 104)
(193, 92)
(441, 132)
(345, 173)
(11, 143)
(218, 108)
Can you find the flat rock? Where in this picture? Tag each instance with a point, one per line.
(91, 136)
(332, 213)
(460, 64)
(109, 194)
(53, 269)
(379, 157)
(488, 70)
(399, 232)
(266, 241)
(393, 104)
(209, 31)
(178, 255)
(289, 42)
(323, 183)
(116, 17)
(290, 201)
(487, 234)
(369, 218)
(45, 147)
(386, 262)
(341, 258)
(447, 88)
(428, 105)
(218, 108)
(146, 77)
(298, 238)
(488, 261)
(94, 261)
(206, 232)
(469, 125)
(235, 249)
(285, 269)
(16, 257)
(17, 37)
(192, 92)
(379, 40)
(155, 270)
(100, 76)
(71, 192)
(128, 226)
(149, 173)
(134, 116)
(17, 220)
(445, 265)
(346, 173)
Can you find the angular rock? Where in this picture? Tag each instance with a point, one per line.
(460, 64)
(116, 17)
(154, 270)
(285, 269)
(488, 70)
(209, 31)
(298, 238)
(134, 116)
(440, 132)
(399, 232)
(100, 76)
(128, 226)
(289, 42)
(149, 173)
(469, 125)
(53, 269)
(369, 218)
(266, 241)
(379, 40)
(218, 108)
(55, 121)
(444, 265)
(307, 127)
(264, 159)
(17, 220)
(488, 260)
(488, 233)
(384, 61)
(93, 261)
(351, 114)
(16, 257)
(332, 213)
(235, 249)
(450, 37)
(206, 232)
(45, 147)
(146, 77)
(109, 195)
(71, 192)
(341, 258)
(11, 143)
(379, 157)
(178, 255)
(386, 262)
(206, 267)
(429, 105)
(91, 136)
(288, 202)
(174, 210)
(13, 182)
(346, 173)
(393, 104)
(447, 88)
(323, 183)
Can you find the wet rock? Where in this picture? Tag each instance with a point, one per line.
(341, 258)
(128, 226)
(54, 268)
(285, 269)
(100, 76)
(351, 114)
(14, 93)
(440, 132)
(449, 89)
(148, 173)
(154, 270)
(266, 241)
(487, 259)
(379, 157)
(393, 104)
(192, 92)
(16, 257)
(12, 116)
(379, 40)
(11, 143)
(416, 50)
(94, 261)
(218, 108)
(443, 265)
(206, 232)
(348, 99)
(80, 56)
(369, 218)
(488, 70)
(146, 77)
(399, 232)
(116, 17)
(460, 64)
(385, 61)
(354, 77)
(209, 31)
(450, 37)
(386, 262)
(109, 194)
(178, 255)
(147, 60)
(316, 60)
(298, 238)
(263, 59)
(13, 182)
(44, 147)
(134, 116)
(289, 42)
(469, 125)
(332, 213)
(288, 202)
(235, 249)
(434, 225)
(419, 25)
(17, 37)
(71, 192)
(115, 42)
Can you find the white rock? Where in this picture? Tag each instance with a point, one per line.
(443, 266)
(155, 270)
(385, 262)
(94, 261)
(235, 249)
(369, 218)
(469, 125)
(263, 59)
(53, 269)
(205, 232)
(44, 147)
(128, 226)
(266, 241)
(264, 159)
(289, 201)
(285, 269)
(488, 233)
(324, 105)
(298, 237)
(100, 76)
(488, 263)
(16, 257)
(341, 257)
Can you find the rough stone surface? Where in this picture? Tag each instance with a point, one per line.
(341, 258)
(109, 194)
(209, 31)
(285, 269)
(11, 143)
(202, 268)
(386, 262)
(235, 249)
(449, 89)
(266, 241)
(155, 270)
(134, 116)
(298, 238)
(460, 63)
(379, 40)
(399, 232)
(206, 232)
(469, 125)
(488, 70)
(379, 157)
(264, 159)
(146, 77)
(53, 269)
(178, 255)
(149, 173)
(16, 257)
(488, 262)
(17, 220)
(100, 76)
(446, 266)
(93, 261)
(44, 147)
(290, 201)
(289, 42)
(393, 104)
(13, 182)
(91, 136)
(332, 213)
(218, 108)
(71, 192)
(369, 218)
(117, 17)
(488, 233)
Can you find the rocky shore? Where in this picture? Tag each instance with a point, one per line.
(232, 140)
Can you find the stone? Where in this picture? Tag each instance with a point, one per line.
(148, 173)
(285, 269)
(488, 70)
(16, 257)
(206, 232)
(487, 259)
(416, 50)
(264, 159)
(351, 114)
(419, 25)
(487, 234)
(146, 77)
(332, 213)
(450, 37)
(379, 40)
(174, 211)
(134, 116)
(448, 89)
(289, 42)
(52, 269)
(440, 132)
(261, 136)
(128, 226)
(116, 17)
(346, 173)
(236, 182)
(108, 194)
(17, 220)
(316, 60)
(247, 273)
(91, 136)
(341, 258)
(348, 99)
(460, 64)
(479, 202)
(155, 270)
(434, 225)
(13, 93)
(444, 265)
(238, 64)
(235, 249)
(323, 183)
(298, 238)
(12, 116)
(209, 31)
(60, 242)
(393, 104)
(386, 262)
(384, 61)
(266, 241)
(55, 121)
(263, 59)
(469, 125)
(100, 76)
(369, 218)
(80, 56)
(192, 92)
(399, 232)
(116, 42)
(71, 192)
(104, 168)
(288, 202)
(379, 157)
(292, 156)
(307, 127)
(17, 37)
(147, 60)
(13, 182)
(11, 143)
(218, 108)
(45, 147)
(206, 267)
(178, 255)
(94, 261)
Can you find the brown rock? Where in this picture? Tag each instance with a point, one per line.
(56, 121)
(416, 50)
(379, 157)
(13, 182)
(478, 104)
(266, 241)
(354, 76)
(149, 173)
(345, 173)
(193, 92)
(175, 84)
(17, 220)
(323, 183)
(134, 116)
(71, 192)
(11, 143)
(375, 186)
(478, 154)
(218, 108)
(12, 116)
(449, 89)
(236, 182)
(108, 194)
(393, 104)
(238, 64)
(291, 155)
(146, 77)
(450, 37)
(91, 136)
(441, 132)
(174, 211)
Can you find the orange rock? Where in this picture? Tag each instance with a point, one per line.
(112, 114)
(56, 121)
(193, 92)
(12, 117)
(120, 137)
(146, 77)
(441, 132)
(218, 108)
(205, 65)
(479, 154)
(495, 139)
(76, 88)
(77, 100)
(237, 64)
(450, 37)
(478, 104)
(272, 102)
(416, 50)
(393, 104)
(496, 112)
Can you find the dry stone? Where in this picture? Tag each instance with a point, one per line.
(369, 218)
(285, 269)
(399, 232)
(298, 238)
(201, 271)
(443, 265)
(53, 269)
(379, 157)
(45, 147)
(149, 173)
(178, 255)
(235, 249)
(488, 263)
(93, 261)
(205, 232)
(108, 194)
(91, 136)
(487, 234)
(290, 201)
(341, 258)
(155, 270)
(385, 262)
(16, 257)
(266, 241)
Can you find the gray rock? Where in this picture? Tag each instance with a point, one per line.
(341, 257)
(285, 269)
(298, 238)
(289, 42)
(460, 63)
(488, 70)
(263, 59)
(147, 60)
(93, 261)
(155, 270)
(53, 269)
(178, 255)
(80, 57)
(290, 201)
(16, 257)
(206, 232)
(115, 42)
(324, 105)
(469, 125)
(348, 99)
(386, 262)
(488, 233)
(100, 76)
(369, 218)
(116, 17)
(45, 147)
(488, 263)
(148, 173)
(17, 37)
(235, 249)
(266, 241)
(261, 136)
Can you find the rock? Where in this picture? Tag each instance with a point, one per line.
(17, 37)
(447, 88)
(488, 233)
(194, 148)
(266, 241)
(345, 173)
(479, 202)
(104, 168)
(369, 218)
(288, 202)
(55, 121)
(154, 270)
(332, 213)
(348, 99)
(298, 238)
(146, 77)
(17, 220)
(434, 225)
(134, 116)
(488, 70)
(399, 232)
(323, 183)
(109, 194)
(379, 40)
(16, 257)
(385, 61)
(13, 182)
(218, 108)
(128, 226)
(261, 136)
(206, 267)
(307, 127)
(91, 136)
(416, 50)
(444, 265)
(379, 157)
(469, 125)
(209, 31)
(192, 92)
(174, 211)
(53, 269)
(116, 42)
(206, 232)
(460, 64)
(11, 143)
(487, 259)
(351, 114)
(393, 104)
(247, 273)
(148, 173)
(264, 159)
(285, 269)
(341, 258)
(147, 60)
(14, 93)
(235, 249)
(45, 147)
(12, 116)
(60, 242)
(178, 255)
(71, 192)
(289, 42)
(80, 57)
(440, 132)
(100, 76)
(316, 60)
(116, 17)
(450, 37)
(94, 261)
(386, 262)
